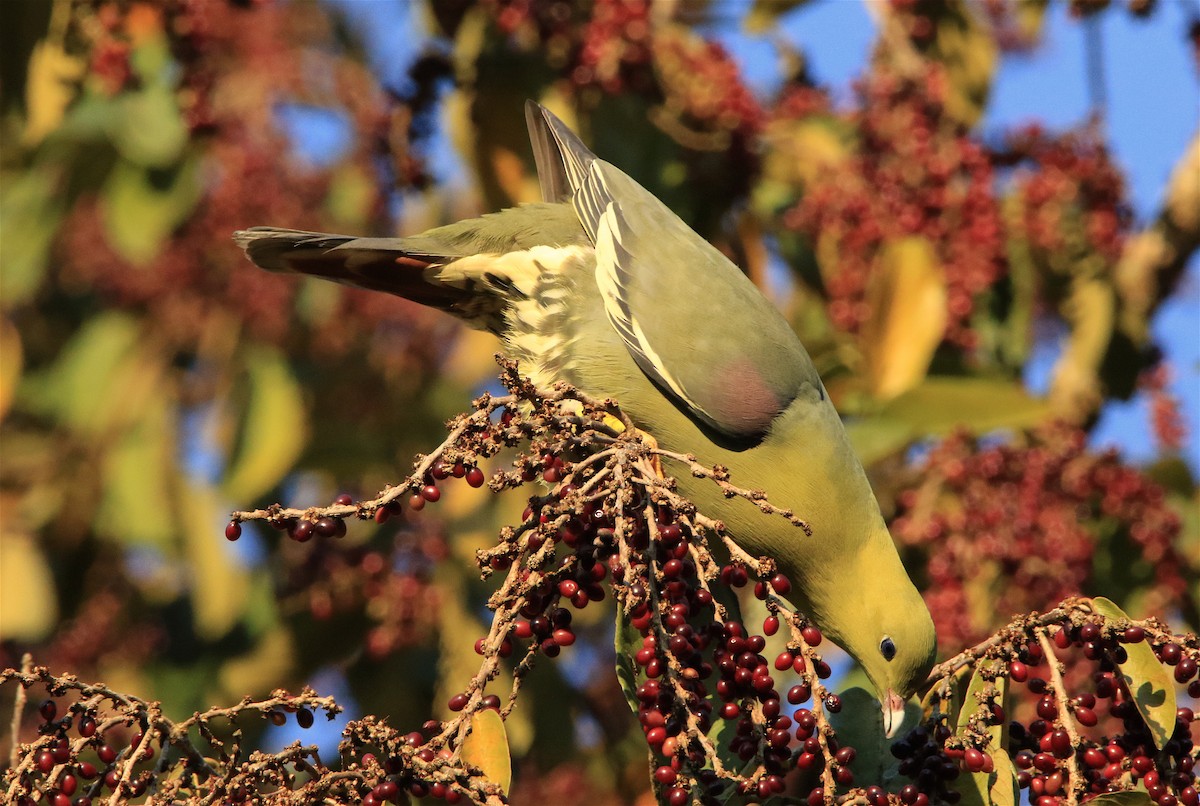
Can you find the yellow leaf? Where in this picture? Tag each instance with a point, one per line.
(11, 362)
(968, 51)
(274, 428)
(220, 585)
(49, 88)
(487, 748)
(1147, 680)
(261, 669)
(801, 151)
(28, 606)
(907, 300)
(351, 192)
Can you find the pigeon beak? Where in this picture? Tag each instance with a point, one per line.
(893, 713)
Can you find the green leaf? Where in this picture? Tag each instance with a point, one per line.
(969, 705)
(1147, 680)
(70, 387)
(220, 584)
(30, 215)
(487, 748)
(143, 206)
(150, 131)
(939, 405)
(982, 404)
(136, 505)
(274, 428)
(860, 725)
(974, 788)
(1006, 790)
(627, 641)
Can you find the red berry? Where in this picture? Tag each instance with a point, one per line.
(1133, 635)
(1170, 653)
(45, 761)
(770, 625)
(431, 493)
(301, 531)
(798, 694)
(475, 477)
(458, 702)
(233, 530)
(665, 775)
(811, 636)
(781, 584)
(1018, 671)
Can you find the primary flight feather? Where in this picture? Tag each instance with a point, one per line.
(602, 286)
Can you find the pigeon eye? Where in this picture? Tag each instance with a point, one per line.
(887, 648)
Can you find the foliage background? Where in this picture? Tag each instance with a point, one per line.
(151, 380)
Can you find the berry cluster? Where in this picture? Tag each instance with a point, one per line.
(1016, 526)
(609, 517)
(1073, 205)
(96, 745)
(1166, 419)
(1065, 740)
(234, 155)
(915, 172)
(614, 46)
(727, 710)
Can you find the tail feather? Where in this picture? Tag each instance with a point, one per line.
(378, 264)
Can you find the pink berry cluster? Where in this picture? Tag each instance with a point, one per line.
(1166, 419)
(1019, 525)
(914, 172)
(1073, 199)
(610, 47)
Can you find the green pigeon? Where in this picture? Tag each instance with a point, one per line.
(602, 286)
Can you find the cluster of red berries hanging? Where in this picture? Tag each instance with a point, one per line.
(1102, 729)
(1074, 211)
(914, 172)
(1018, 525)
(96, 746)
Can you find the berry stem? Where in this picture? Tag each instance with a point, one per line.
(1076, 781)
(14, 753)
